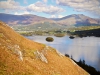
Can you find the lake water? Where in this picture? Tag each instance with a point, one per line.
(87, 48)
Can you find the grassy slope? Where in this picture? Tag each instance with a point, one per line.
(10, 64)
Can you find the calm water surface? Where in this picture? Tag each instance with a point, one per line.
(87, 48)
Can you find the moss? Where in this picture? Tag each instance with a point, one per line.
(3, 69)
(28, 53)
(43, 45)
(56, 73)
(8, 40)
(2, 72)
(2, 65)
(1, 35)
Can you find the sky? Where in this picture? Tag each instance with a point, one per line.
(51, 8)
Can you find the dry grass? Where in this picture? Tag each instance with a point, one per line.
(10, 64)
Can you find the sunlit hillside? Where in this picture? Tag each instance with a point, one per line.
(20, 56)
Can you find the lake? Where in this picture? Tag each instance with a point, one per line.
(87, 48)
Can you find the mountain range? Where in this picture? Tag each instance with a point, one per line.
(78, 20)
(23, 19)
(20, 56)
(74, 19)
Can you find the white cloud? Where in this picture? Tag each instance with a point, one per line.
(82, 5)
(25, 12)
(53, 16)
(41, 7)
(10, 5)
(56, 16)
(45, 1)
(60, 16)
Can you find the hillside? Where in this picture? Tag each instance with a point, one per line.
(77, 20)
(23, 19)
(20, 56)
(46, 26)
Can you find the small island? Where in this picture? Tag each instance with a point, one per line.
(49, 39)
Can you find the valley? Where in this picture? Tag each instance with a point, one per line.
(57, 31)
(35, 25)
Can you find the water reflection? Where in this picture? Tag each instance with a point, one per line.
(87, 48)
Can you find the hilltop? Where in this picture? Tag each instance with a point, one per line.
(20, 56)
(77, 20)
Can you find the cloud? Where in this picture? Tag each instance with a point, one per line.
(60, 16)
(41, 7)
(25, 12)
(25, 2)
(45, 1)
(10, 5)
(82, 5)
(56, 16)
(53, 16)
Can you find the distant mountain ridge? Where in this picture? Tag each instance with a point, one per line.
(29, 19)
(77, 19)
(23, 19)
